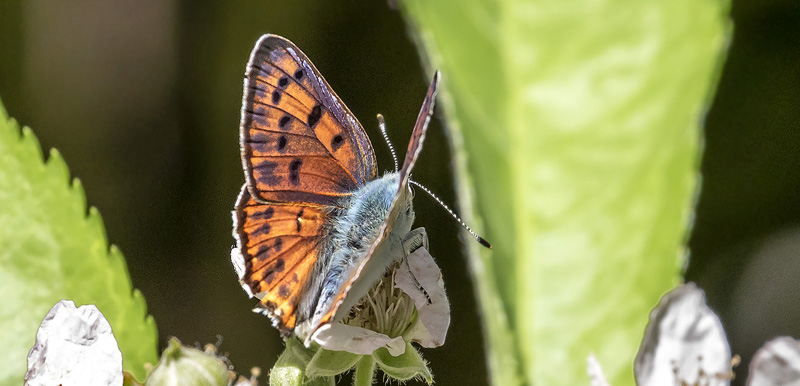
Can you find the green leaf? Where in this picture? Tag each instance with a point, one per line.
(575, 128)
(51, 250)
(330, 363)
(406, 366)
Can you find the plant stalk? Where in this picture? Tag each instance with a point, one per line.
(365, 371)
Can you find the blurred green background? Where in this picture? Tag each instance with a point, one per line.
(142, 98)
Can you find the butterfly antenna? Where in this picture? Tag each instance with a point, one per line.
(455, 216)
(382, 126)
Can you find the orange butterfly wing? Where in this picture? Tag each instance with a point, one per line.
(278, 248)
(299, 142)
(302, 152)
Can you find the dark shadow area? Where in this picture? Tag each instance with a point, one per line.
(744, 242)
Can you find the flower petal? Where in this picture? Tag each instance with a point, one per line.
(684, 335)
(421, 279)
(357, 340)
(74, 346)
(595, 371)
(776, 363)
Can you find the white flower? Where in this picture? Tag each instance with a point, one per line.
(685, 344)
(409, 304)
(684, 340)
(595, 371)
(74, 346)
(776, 363)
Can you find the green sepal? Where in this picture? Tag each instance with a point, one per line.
(129, 380)
(321, 381)
(181, 365)
(290, 369)
(327, 363)
(404, 367)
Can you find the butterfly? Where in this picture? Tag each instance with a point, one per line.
(315, 227)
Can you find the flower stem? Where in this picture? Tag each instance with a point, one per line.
(365, 371)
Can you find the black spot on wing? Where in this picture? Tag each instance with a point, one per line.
(283, 121)
(269, 277)
(298, 220)
(298, 74)
(283, 81)
(336, 142)
(278, 244)
(262, 230)
(314, 116)
(279, 265)
(276, 97)
(282, 143)
(265, 215)
(262, 252)
(294, 171)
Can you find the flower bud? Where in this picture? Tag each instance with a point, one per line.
(181, 365)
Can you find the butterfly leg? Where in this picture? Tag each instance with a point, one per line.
(415, 239)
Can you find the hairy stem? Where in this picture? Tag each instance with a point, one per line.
(365, 371)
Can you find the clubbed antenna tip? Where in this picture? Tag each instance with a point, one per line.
(382, 126)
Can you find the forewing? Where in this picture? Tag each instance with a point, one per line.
(420, 128)
(299, 142)
(278, 246)
(414, 148)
